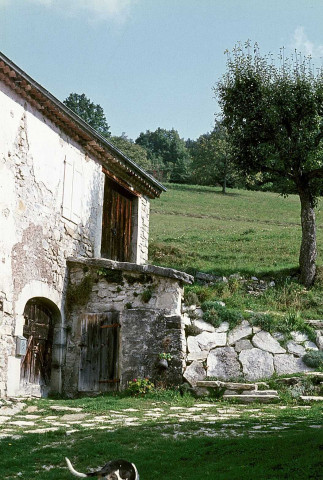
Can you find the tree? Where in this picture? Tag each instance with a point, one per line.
(167, 153)
(92, 114)
(211, 159)
(135, 152)
(274, 118)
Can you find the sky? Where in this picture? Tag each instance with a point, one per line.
(150, 63)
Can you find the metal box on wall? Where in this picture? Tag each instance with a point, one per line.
(21, 345)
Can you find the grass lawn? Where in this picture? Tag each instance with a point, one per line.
(194, 227)
(268, 442)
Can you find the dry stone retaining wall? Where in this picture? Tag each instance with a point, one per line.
(244, 352)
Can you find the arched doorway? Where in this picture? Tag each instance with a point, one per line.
(40, 315)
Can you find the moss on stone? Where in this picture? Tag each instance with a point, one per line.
(110, 275)
(79, 293)
(142, 278)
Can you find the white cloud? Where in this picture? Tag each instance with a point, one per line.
(303, 45)
(47, 3)
(105, 8)
(117, 10)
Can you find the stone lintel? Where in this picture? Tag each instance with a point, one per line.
(131, 267)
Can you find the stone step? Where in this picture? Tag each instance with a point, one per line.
(258, 393)
(263, 392)
(227, 385)
(311, 398)
(314, 374)
(252, 398)
(317, 324)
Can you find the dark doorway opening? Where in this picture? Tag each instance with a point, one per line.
(116, 222)
(39, 330)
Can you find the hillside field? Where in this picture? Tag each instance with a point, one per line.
(253, 233)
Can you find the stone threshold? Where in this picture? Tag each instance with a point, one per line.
(131, 267)
(230, 385)
(269, 398)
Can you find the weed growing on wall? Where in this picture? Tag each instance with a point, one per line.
(110, 275)
(215, 314)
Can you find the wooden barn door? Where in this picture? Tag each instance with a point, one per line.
(99, 352)
(38, 329)
(116, 222)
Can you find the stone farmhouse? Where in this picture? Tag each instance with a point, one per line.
(80, 309)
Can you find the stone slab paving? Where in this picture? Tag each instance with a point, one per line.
(21, 419)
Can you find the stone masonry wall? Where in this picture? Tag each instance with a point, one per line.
(148, 300)
(245, 352)
(51, 195)
(36, 238)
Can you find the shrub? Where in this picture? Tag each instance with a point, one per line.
(215, 314)
(314, 359)
(140, 386)
(262, 320)
(190, 298)
(211, 316)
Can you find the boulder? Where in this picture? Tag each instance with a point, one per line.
(299, 337)
(319, 340)
(256, 329)
(295, 348)
(186, 319)
(192, 344)
(195, 356)
(194, 373)
(224, 327)
(243, 345)
(310, 345)
(256, 363)
(202, 325)
(207, 340)
(286, 364)
(241, 331)
(265, 341)
(198, 312)
(223, 363)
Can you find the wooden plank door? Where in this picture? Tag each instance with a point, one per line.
(99, 352)
(38, 329)
(116, 222)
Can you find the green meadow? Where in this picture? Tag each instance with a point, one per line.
(182, 438)
(263, 442)
(253, 233)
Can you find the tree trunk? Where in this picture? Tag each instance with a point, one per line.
(224, 186)
(308, 251)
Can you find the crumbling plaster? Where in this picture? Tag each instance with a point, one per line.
(36, 238)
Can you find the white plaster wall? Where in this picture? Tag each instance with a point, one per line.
(35, 238)
(143, 230)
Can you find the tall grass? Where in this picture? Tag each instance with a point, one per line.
(258, 234)
(253, 233)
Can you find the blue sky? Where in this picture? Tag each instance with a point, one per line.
(149, 63)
